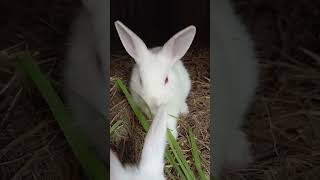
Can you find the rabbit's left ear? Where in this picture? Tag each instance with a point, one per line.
(177, 46)
(135, 47)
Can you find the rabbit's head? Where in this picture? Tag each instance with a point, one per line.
(151, 165)
(157, 75)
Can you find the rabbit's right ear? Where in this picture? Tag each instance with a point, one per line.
(177, 46)
(152, 157)
(131, 42)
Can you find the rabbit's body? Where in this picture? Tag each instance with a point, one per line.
(151, 165)
(159, 76)
(86, 87)
(235, 77)
(175, 101)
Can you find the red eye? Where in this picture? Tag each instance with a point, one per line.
(166, 81)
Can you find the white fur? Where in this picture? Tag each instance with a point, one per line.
(151, 165)
(153, 65)
(85, 83)
(235, 77)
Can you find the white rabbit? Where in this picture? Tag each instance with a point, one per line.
(151, 165)
(159, 76)
(235, 78)
(86, 85)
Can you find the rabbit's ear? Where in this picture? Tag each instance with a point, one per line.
(177, 46)
(152, 157)
(131, 42)
(116, 168)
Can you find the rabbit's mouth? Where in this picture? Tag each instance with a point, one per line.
(151, 108)
(145, 107)
(149, 105)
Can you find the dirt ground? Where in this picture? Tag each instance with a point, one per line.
(283, 123)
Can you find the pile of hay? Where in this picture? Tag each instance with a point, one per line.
(128, 139)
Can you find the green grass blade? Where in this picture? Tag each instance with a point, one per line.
(174, 164)
(115, 126)
(133, 105)
(93, 167)
(196, 156)
(144, 104)
(180, 157)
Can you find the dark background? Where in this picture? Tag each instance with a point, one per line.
(156, 21)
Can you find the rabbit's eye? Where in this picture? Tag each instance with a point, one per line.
(166, 80)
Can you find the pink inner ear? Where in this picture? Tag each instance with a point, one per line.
(178, 45)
